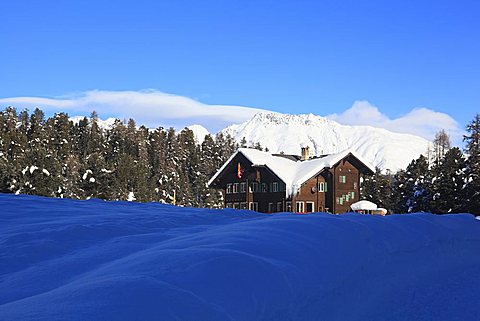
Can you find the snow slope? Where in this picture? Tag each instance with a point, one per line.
(287, 133)
(199, 132)
(93, 260)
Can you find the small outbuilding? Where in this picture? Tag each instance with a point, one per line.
(367, 207)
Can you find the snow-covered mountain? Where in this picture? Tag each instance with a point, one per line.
(105, 124)
(287, 133)
(199, 132)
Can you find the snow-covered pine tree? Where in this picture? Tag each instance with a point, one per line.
(411, 189)
(12, 152)
(448, 180)
(36, 176)
(171, 177)
(142, 188)
(378, 189)
(208, 166)
(157, 159)
(472, 188)
(94, 180)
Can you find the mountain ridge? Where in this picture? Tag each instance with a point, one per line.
(288, 133)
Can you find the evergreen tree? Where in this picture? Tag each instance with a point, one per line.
(243, 142)
(378, 189)
(411, 188)
(209, 161)
(158, 161)
(448, 182)
(472, 188)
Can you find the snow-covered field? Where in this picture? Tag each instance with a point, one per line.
(93, 260)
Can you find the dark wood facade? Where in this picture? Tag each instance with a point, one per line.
(254, 187)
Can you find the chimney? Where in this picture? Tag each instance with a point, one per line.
(305, 153)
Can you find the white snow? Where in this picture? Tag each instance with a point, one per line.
(90, 260)
(364, 205)
(88, 171)
(131, 197)
(33, 168)
(46, 172)
(104, 124)
(91, 180)
(199, 132)
(288, 133)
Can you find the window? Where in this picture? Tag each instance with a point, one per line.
(279, 207)
(310, 207)
(354, 185)
(288, 206)
(229, 205)
(270, 207)
(347, 197)
(243, 206)
(352, 195)
(322, 187)
(275, 187)
(300, 207)
(342, 179)
(243, 187)
(236, 206)
(254, 187)
(253, 206)
(229, 188)
(235, 188)
(264, 187)
(340, 200)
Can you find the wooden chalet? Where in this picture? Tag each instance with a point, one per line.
(268, 183)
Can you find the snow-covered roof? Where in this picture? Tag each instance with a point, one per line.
(364, 205)
(292, 173)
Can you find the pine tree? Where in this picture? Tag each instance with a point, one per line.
(94, 178)
(411, 188)
(158, 161)
(472, 188)
(378, 189)
(243, 142)
(209, 165)
(448, 182)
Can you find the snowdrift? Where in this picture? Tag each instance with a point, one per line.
(93, 260)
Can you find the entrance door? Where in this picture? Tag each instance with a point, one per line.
(310, 207)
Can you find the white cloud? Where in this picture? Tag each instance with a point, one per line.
(151, 108)
(423, 122)
(154, 108)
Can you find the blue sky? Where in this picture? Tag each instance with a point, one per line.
(287, 56)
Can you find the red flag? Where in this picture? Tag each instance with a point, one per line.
(239, 171)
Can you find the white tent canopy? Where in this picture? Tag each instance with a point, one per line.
(364, 206)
